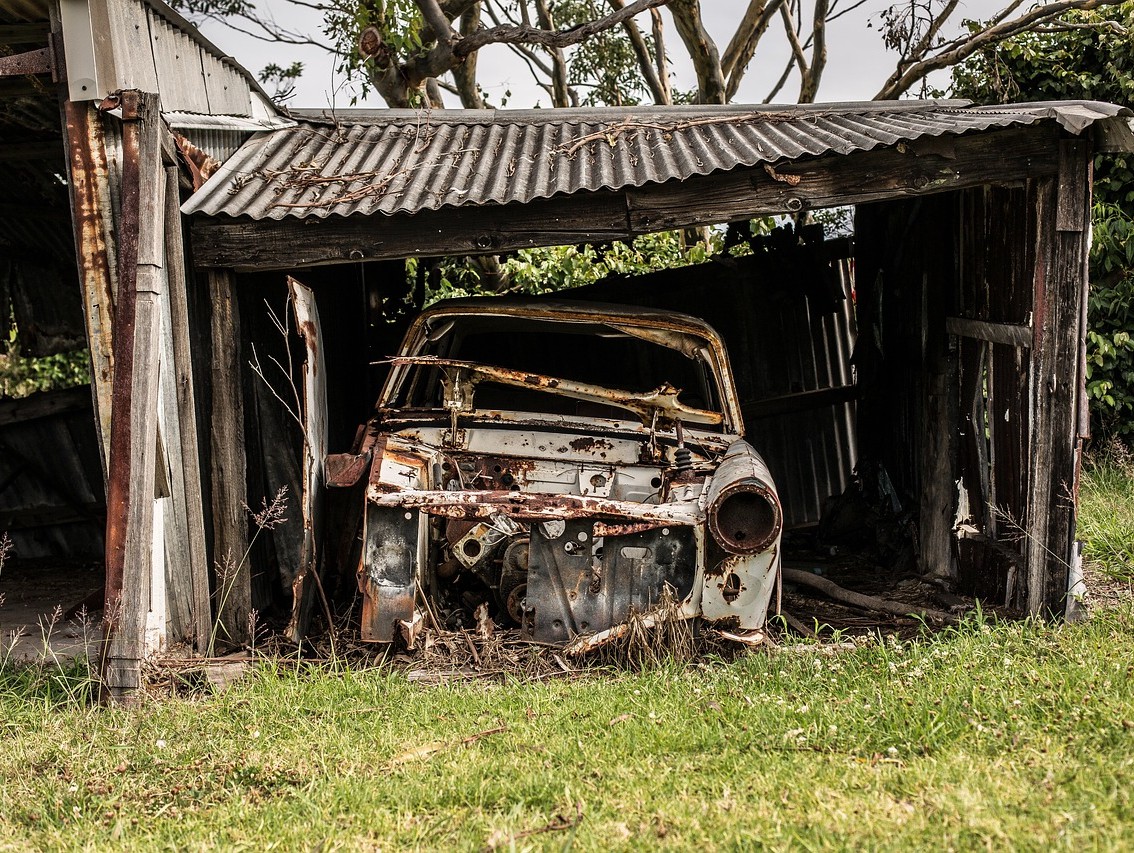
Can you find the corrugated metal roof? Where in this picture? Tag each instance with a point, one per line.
(405, 161)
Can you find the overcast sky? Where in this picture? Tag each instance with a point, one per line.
(857, 65)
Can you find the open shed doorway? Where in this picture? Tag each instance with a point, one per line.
(52, 498)
(785, 307)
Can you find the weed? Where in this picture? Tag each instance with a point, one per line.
(1106, 512)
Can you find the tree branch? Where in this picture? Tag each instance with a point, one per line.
(738, 55)
(464, 73)
(660, 55)
(901, 80)
(809, 87)
(513, 34)
(559, 96)
(642, 52)
(702, 50)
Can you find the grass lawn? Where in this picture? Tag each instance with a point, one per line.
(986, 736)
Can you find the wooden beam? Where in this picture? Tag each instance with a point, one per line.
(1010, 334)
(21, 34)
(595, 217)
(248, 245)
(44, 405)
(134, 425)
(229, 465)
(191, 567)
(834, 180)
(1060, 278)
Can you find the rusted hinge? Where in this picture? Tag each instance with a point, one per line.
(27, 63)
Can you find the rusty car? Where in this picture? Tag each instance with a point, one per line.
(559, 467)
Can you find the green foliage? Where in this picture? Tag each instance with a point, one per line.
(281, 79)
(1106, 511)
(545, 270)
(20, 375)
(1091, 56)
(399, 21)
(605, 65)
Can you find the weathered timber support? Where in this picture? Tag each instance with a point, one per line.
(187, 567)
(1060, 278)
(229, 465)
(134, 414)
(940, 395)
(91, 213)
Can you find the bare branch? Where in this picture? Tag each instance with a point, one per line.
(738, 55)
(559, 96)
(702, 50)
(436, 21)
(464, 74)
(834, 16)
(659, 92)
(512, 34)
(793, 40)
(809, 86)
(658, 30)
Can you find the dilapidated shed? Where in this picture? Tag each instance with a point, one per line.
(962, 388)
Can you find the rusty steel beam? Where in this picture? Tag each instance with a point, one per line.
(25, 64)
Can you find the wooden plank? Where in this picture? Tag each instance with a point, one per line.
(91, 210)
(1011, 334)
(307, 583)
(940, 402)
(292, 243)
(134, 427)
(1061, 276)
(44, 404)
(188, 453)
(229, 465)
(1073, 184)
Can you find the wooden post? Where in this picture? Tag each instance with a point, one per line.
(188, 569)
(1060, 278)
(229, 466)
(91, 213)
(133, 428)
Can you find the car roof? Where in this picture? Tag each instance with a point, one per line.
(570, 310)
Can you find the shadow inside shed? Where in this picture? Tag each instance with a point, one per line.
(52, 504)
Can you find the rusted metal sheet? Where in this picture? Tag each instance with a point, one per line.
(28, 63)
(314, 451)
(529, 506)
(91, 207)
(406, 161)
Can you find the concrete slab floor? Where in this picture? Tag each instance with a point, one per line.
(35, 596)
